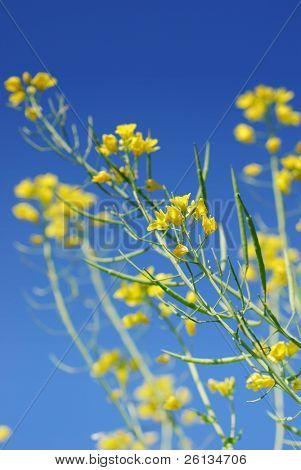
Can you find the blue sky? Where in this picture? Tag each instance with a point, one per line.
(170, 66)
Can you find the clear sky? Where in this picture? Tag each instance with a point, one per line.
(171, 66)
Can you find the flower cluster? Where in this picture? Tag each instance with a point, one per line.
(127, 140)
(159, 395)
(281, 350)
(55, 204)
(176, 214)
(23, 88)
(257, 104)
(224, 387)
(291, 171)
(257, 381)
(135, 293)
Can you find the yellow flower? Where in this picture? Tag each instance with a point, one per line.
(244, 133)
(225, 387)
(26, 77)
(133, 294)
(16, 98)
(286, 115)
(160, 222)
(106, 361)
(273, 144)
(24, 189)
(137, 145)
(118, 440)
(253, 169)
(291, 349)
(109, 145)
(181, 202)
(256, 112)
(152, 185)
(209, 225)
(25, 211)
(282, 95)
(150, 145)
(284, 181)
(245, 100)
(278, 352)
(101, 177)
(174, 215)
(134, 319)
(163, 359)
(122, 375)
(165, 309)
(258, 381)
(125, 131)
(13, 84)
(56, 229)
(172, 403)
(198, 209)
(48, 180)
(43, 80)
(32, 113)
(191, 297)
(190, 327)
(5, 432)
(180, 250)
(36, 239)
(296, 384)
(251, 274)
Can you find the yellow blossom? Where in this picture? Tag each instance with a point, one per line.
(245, 100)
(26, 77)
(150, 145)
(56, 229)
(244, 133)
(160, 222)
(13, 84)
(25, 211)
(258, 381)
(32, 113)
(132, 293)
(253, 169)
(284, 181)
(198, 209)
(172, 403)
(251, 273)
(43, 80)
(180, 250)
(296, 384)
(16, 98)
(291, 349)
(134, 319)
(181, 202)
(106, 361)
(109, 145)
(286, 115)
(101, 177)
(256, 112)
(278, 352)
(5, 432)
(191, 296)
(174, 215)
(152, 185)
(24, 189)
(165, 309)
(225, 387)
(190, 327)
(209, 225)
(163, 359)
(273, 144)
(118, 440)
(137, 145)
